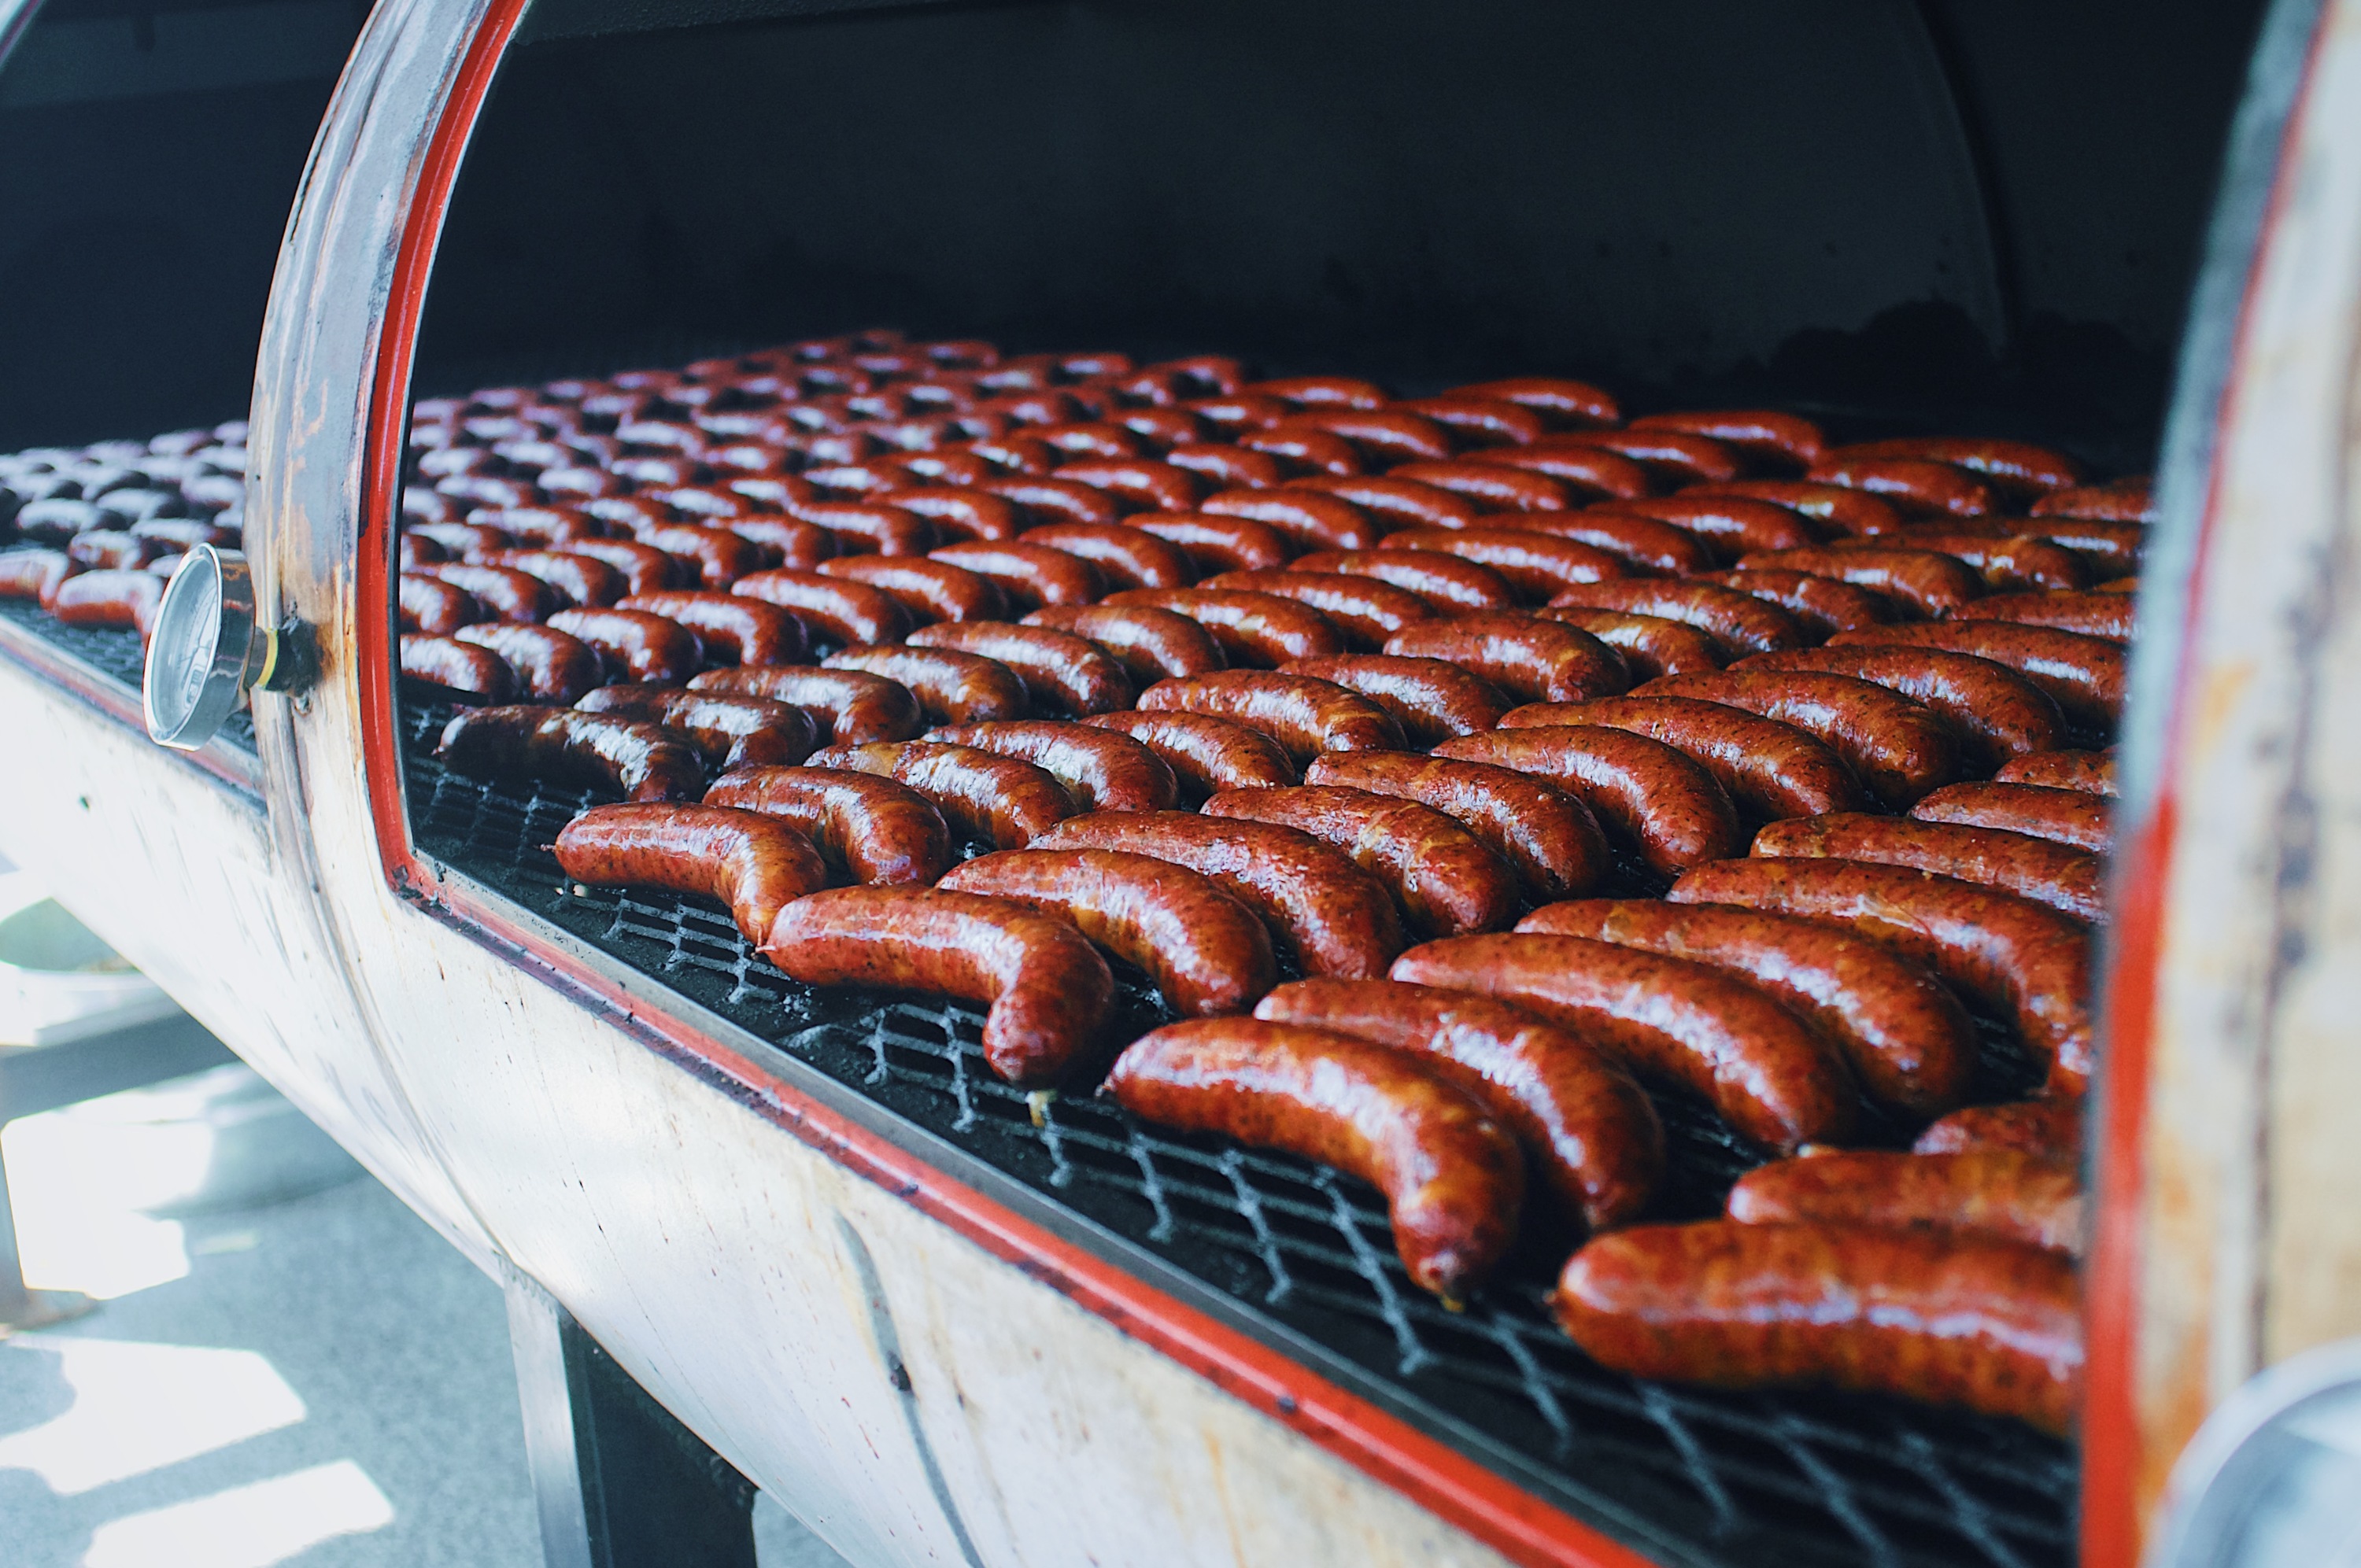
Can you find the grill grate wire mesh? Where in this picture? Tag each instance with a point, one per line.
(1734, 1478)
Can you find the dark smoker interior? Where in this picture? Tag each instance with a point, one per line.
(1982, 215)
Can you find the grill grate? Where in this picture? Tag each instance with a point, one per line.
(1753, 1479)
(115, 652)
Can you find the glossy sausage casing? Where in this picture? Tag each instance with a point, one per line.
(755, 864)
(1584, 1123)
(1995, 1192)
(1205, 753)
(1432, 699)
(1992, 1326)
(1546, 834)
(1452, 1176)
(1656, 805)
(876, 830)
(1047, 986)
(1447, 880)
(1306, 716)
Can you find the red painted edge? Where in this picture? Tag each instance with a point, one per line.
(2114, 1534)
(1446, 1482)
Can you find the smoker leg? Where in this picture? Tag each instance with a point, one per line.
(619, 1483)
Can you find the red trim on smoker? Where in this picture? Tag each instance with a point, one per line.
(1431, 1473)
(2114, 1533)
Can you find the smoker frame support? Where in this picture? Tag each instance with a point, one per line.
(619, 1483)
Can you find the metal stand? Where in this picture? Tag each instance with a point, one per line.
(619, 1483)
(43, 1078)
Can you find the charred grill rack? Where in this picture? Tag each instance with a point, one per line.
(1305, 1258)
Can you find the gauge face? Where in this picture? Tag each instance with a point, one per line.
(197, 657)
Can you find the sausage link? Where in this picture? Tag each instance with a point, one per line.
(926, 590)
(1055, 501)
(1537, 565)
(963, 513)
(1898, 749)
(871, 829)
(427, 604)
(782, 541)
(577, 578)
(1996, 711)
(1562, 404)
(849, 706)
(1306, 716)
(1590, 469)
(1448, 584)
(867, 527)
(1731, 525)
(1392, 502)
(1452, 1178)
(1906, 1036)
(1028, 575)
(1656, 805)
(1060, 671)
(1150, 644)
(111, 549)
(1124, 557)
(1758, 432)
(1493, 486)
(1770, 769)
(717, 556)
(2011, 563)
(2017, 469)
(1989, 1325)
(728, 731)
(1739, 622)
(1822, 606)
(2048, 1129)
(1102, 770)
(2117, 502)
(1308, 518)
(561, 745)
(1543, 660)
(1764, 1070)
(2085, 676)
(754, 863)
(2069, 879)
(2091, 773)
(549, 665)
(509, 593)
(850, 613)
(1480, 421)
(1256, 630)
(2092, 614)
(645, 569)
(1143, 481)
(2016, 957)
(1447, 881)
(994, 800)
(1671, 455)
(1650, 644)
(2064, 815)
(1047, 988)
(1546, 835)
(1219, 543)
(410, 549)
(1336, 919)
(1913, 485)
(1922, 581)
(735, 627)
(459, 666)
(1431, 700)
(1581, 1118)
(951, 687)
(1364, 612)
(634, 646)
(36, 574)
(1302, 448)
(1990, 1192)
(1230, 467)
(1645, 546)
(464, 540)
(1322, 392)
(1205, 753)
(1838, 511)
(1205, 950)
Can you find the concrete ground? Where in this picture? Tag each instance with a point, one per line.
(314, 1379)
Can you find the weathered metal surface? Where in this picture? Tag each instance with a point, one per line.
(2229, 1240)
